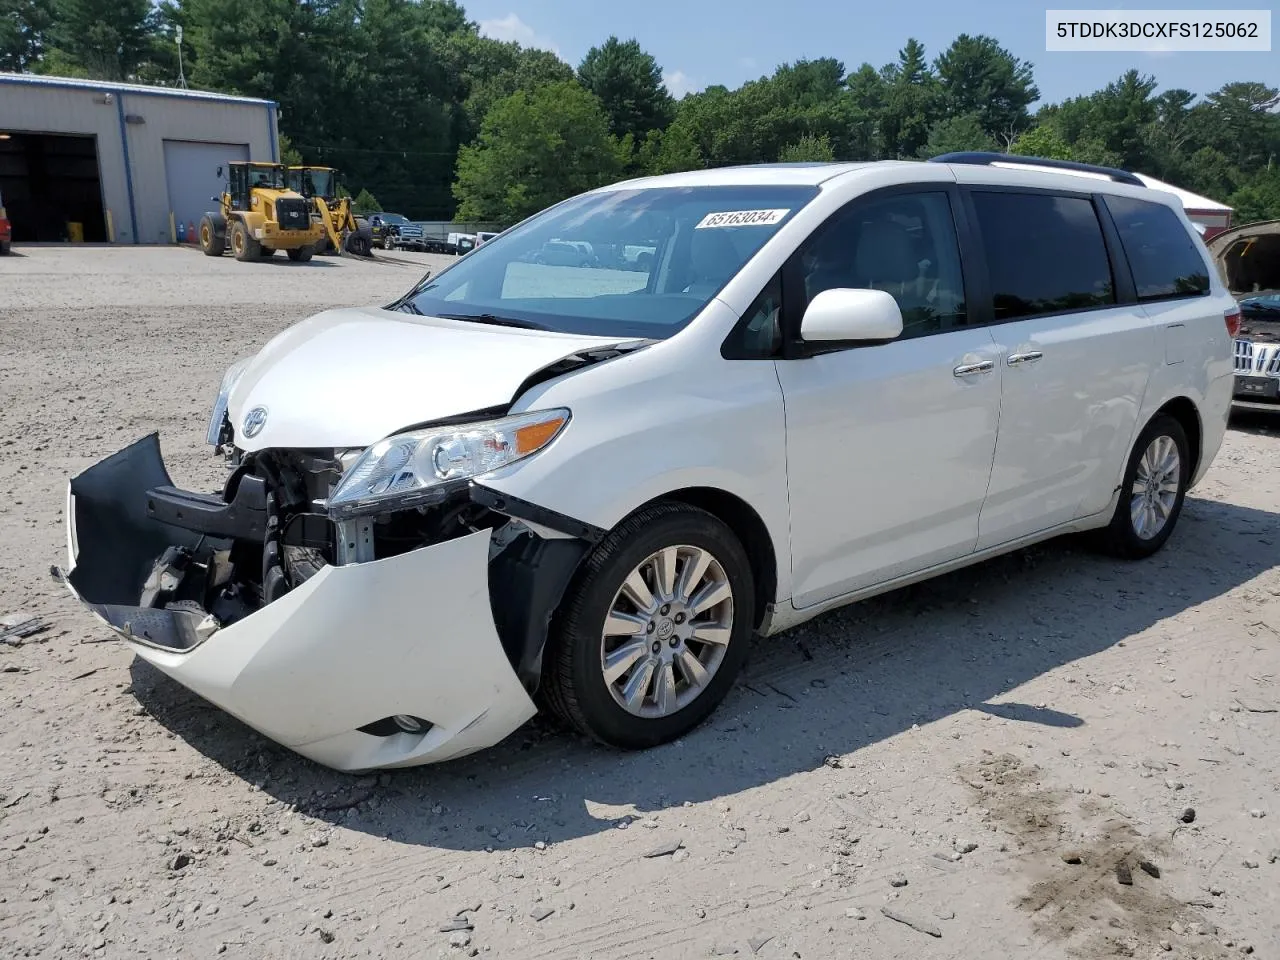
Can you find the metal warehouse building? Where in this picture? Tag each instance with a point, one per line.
(116, 162)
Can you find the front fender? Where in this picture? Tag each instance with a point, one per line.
(645, 426)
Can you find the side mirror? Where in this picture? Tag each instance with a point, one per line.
(845, 314)
(219, 173)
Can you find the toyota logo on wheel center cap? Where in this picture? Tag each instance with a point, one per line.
(254, 421)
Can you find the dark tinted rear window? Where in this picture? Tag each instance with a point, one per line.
(1162, 256)
(1045, 254)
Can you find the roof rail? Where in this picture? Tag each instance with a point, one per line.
(987, 159)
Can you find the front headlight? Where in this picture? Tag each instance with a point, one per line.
(229, 381)
(415, 468)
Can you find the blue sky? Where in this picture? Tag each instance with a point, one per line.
(703, 42)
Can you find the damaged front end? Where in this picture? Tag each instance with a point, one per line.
(396, 627)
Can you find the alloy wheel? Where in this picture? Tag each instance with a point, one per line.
(667, 631)
(1155, 487)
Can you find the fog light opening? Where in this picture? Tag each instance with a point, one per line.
(409, 724)
(396, 724)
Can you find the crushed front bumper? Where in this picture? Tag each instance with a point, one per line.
(354, 645)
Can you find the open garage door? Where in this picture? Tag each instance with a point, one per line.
(50, 183)
(191, 171)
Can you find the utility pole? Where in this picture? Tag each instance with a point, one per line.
(182, 80)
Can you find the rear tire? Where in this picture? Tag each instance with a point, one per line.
(301, 254)
(212, 243)
(243, 246)
(639, 689)
(1152, 491)
(5, 247)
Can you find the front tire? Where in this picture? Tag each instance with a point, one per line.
(1152, 491)
(654, 630)
(212, 243)
(242, 244)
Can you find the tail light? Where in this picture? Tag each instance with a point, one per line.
(1232, 318)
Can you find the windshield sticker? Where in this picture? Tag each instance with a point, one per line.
(742, 218)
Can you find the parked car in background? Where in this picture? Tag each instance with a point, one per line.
(6, 231)
(484, 236)
(461, 242)
(561, 253)
(385, 226)
(409, 236)
(1248, 261)
(595, 486)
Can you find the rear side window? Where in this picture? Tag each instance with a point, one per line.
(1045, 254)
(1163, 258)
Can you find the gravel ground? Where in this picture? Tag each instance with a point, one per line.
(954, 770)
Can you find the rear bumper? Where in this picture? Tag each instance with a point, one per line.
(412, 634)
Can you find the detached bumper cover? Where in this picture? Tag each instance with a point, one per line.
(412, 634)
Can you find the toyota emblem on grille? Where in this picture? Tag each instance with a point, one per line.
(254, 421)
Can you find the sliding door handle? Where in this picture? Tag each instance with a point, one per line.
(973, 369)
(1031, 356)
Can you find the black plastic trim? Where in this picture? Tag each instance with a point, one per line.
(244, 518)
(519, 509)
(1126, 288)
(527, 581)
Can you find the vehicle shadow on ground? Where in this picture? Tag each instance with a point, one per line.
(1257, 422)
(828, 688)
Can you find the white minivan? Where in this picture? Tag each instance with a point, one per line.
(525, 483)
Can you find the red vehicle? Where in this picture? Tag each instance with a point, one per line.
(6, 234)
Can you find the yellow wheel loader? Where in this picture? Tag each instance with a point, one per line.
(343, 231)
(258, 214)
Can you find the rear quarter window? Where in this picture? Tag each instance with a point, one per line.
(1161, 254)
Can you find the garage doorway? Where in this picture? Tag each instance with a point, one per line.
(49, 182)
(191, 171)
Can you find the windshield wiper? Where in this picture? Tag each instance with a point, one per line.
(494, 320)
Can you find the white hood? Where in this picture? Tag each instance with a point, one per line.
(348, 378)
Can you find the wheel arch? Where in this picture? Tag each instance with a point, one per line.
(1184, 410)
(747, 525)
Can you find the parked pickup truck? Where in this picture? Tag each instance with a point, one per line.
(410, 236)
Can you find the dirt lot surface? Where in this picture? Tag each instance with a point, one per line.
(974, 768)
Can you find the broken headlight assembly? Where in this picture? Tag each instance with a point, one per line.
(229, 381)
(421, 467)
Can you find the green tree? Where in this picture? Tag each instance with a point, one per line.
(24, 25)
(535, 148)
(1042, 141)
(1259, 198)
(1115, 119)
(101, 39)
(807, 149)
(365, 203)
(979, 77)
(628, 82)
(912, 102)
(965, 132)
(289, 155)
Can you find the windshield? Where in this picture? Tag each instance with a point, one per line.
(266, 176)
(317, 183)
(393, 218)
(627, 263)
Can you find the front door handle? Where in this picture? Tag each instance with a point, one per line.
(972, 369)
(1031, 356)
